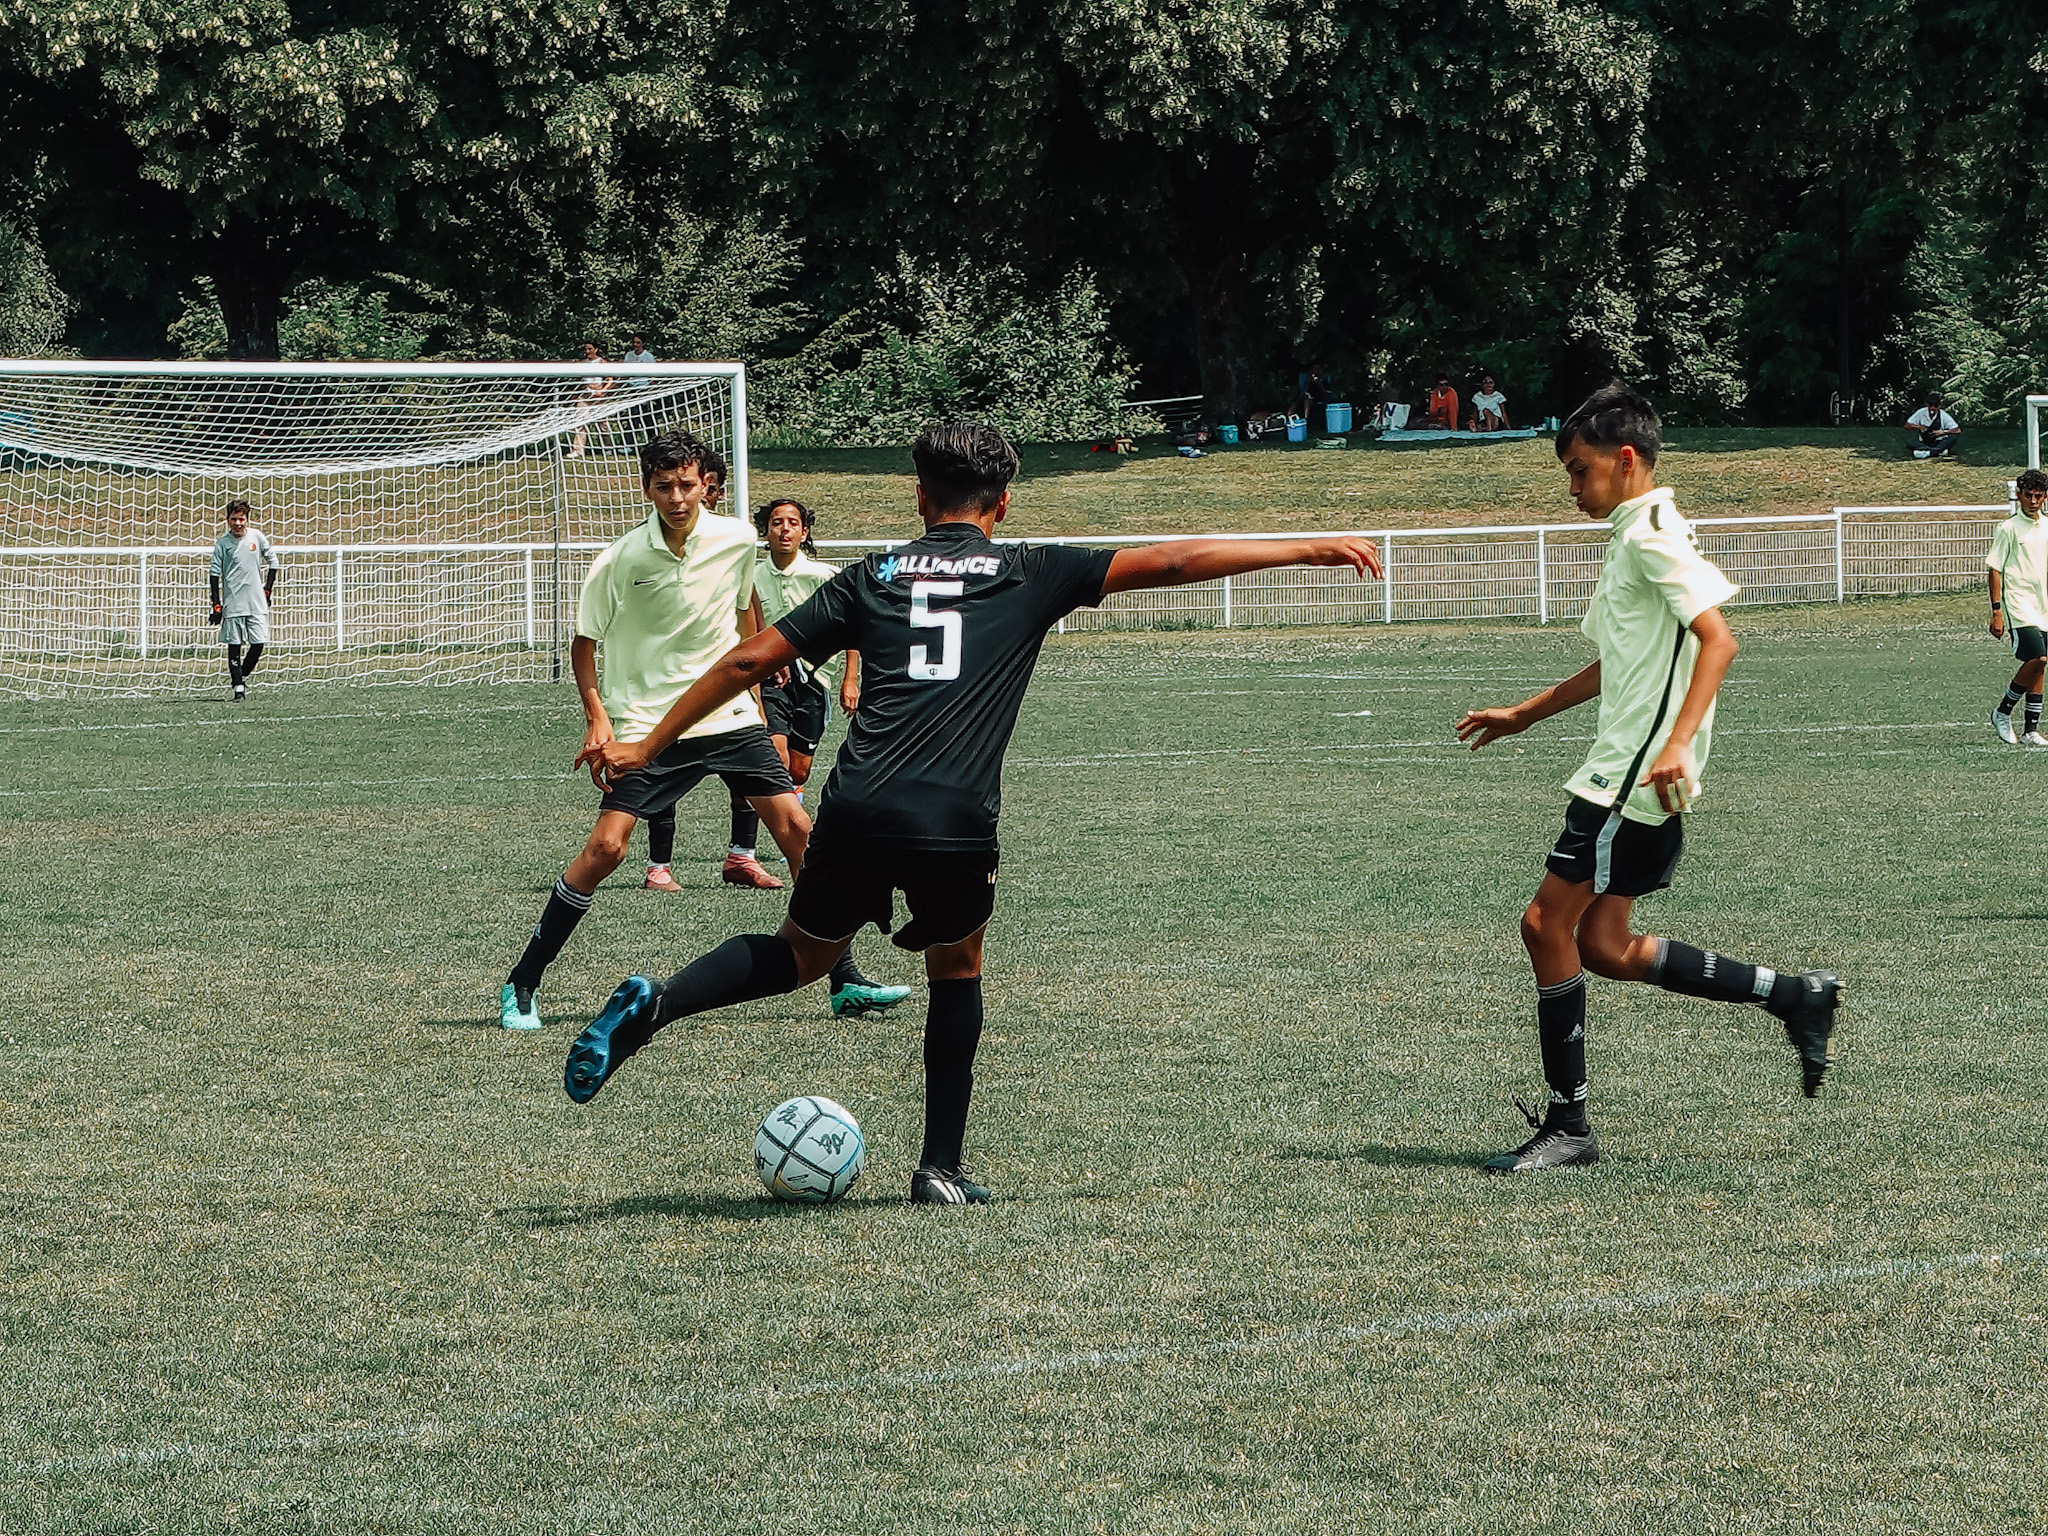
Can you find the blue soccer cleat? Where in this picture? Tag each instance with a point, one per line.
(598, 1052)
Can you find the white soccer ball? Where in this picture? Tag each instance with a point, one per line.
(810, 1150)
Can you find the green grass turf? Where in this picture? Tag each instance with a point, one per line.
(297, 1240)
(1065, 489)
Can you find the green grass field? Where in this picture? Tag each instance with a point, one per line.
(869, 492)
(298, 1240)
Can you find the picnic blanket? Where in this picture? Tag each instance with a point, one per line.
(1446, 435)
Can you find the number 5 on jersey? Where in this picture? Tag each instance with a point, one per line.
(945, 621)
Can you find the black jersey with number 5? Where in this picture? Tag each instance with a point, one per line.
(948, 629)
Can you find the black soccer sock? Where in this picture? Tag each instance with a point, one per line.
(845, 973)
(235, 666)
(661, 838)
(746, 823)
(2033, 711)
(2010, 702)
(1561, 1027)
(952, 1032)
(1680, 967)
(738, 971)
(565, 909)
(249, 659)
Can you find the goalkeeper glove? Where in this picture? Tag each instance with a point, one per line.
(214, 617)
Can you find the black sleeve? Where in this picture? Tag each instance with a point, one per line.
(1068, 577)
(822, 624)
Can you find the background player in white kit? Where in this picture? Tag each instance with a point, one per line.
(239, 579)
(798, 705)
(2017, 566)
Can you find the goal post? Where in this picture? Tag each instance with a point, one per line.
(2036, 405)
(432, 521)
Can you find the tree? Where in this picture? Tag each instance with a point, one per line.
(32, 306)
(1237, 160)
(260, 145)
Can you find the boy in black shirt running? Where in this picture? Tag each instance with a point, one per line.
(949, 628)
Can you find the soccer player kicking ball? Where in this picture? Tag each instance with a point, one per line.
(239, 579)
(1664, 648)
(949, 628)
(667, 601)
(2018, 566)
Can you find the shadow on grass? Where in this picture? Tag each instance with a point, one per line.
(459, 1023)
(1385, 1157)
(674, 1207)
(1988, 445)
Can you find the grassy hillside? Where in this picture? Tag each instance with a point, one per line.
(1067, 489)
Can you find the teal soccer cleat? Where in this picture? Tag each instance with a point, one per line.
(858, 997)
(598, 1051)
(516, 1008)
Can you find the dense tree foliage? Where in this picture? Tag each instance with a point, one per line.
(1757, 209)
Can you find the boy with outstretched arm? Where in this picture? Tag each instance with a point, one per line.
(1664, 648)
(2017, 570)
(665, 601)
(949, 628)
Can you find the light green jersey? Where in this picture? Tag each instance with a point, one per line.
(660, 622)
(782, 591)
(2019, 553)
(239, 565)
(1653, 583)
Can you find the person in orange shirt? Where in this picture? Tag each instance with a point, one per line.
(1443, 404)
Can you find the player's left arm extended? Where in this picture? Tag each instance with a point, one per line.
(1177, 562)
(1675, 773)
(747, 665)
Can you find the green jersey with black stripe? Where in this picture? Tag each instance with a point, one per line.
(1653, 583)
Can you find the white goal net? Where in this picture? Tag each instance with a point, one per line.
(432, 521)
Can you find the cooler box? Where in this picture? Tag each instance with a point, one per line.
(1337, 416)
(1228, 432)
(1297, 429)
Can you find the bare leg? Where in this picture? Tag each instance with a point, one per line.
(788, 823)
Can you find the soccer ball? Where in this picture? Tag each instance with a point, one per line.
(810, 1150)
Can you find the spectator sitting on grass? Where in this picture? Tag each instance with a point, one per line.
(1936, 428)
(1489, 407)
(1443, 404)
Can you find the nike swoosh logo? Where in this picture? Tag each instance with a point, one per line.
(650, 581)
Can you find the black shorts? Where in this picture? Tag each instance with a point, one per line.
(1643, 858)
(843, 887)
(2028, 643)
(744, 758)
(797, 712)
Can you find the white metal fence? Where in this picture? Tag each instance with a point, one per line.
(440, 607)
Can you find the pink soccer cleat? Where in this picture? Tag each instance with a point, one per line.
(740, 869)
(659, 879)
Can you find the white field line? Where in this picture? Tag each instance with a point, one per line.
(205, 723)
(1321, 1338)
(1435, 744)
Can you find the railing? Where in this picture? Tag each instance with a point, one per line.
(112, 601)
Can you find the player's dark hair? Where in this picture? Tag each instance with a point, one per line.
(1614, 416)
(2032, 480)
(672, 450)
(767, 510)
(713, 463)
(962, 464)
(238, 505)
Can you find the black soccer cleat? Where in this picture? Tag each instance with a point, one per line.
(1551, 1147)
(624, 1025)
(945, 1186)
(1810, 1026)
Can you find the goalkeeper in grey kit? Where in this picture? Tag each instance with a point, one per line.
(239, 579)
